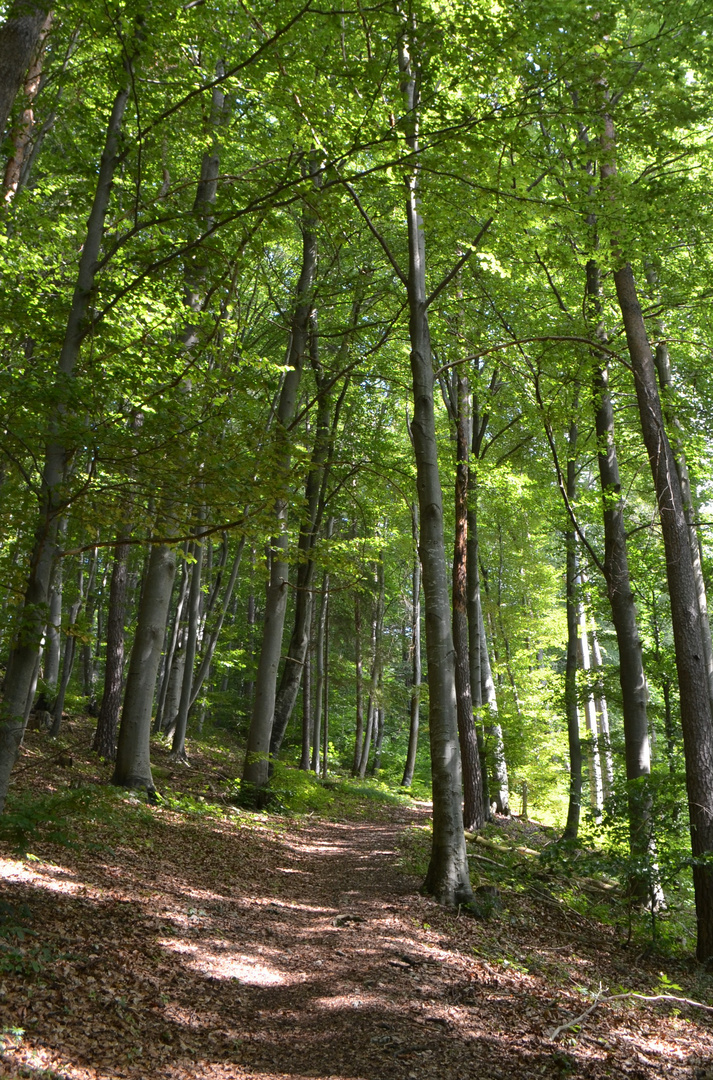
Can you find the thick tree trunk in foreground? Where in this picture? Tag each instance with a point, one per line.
(133, 760)
(447, 879)
(24, 656)
(696, 720)
(108, 721)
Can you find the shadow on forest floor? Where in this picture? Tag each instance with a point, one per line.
(269, 947)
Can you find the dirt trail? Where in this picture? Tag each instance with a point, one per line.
(302, 951)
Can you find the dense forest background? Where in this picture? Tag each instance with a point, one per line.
(304, 303)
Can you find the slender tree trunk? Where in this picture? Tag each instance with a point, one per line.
(319, 682)
(476, 631)
(621, 599)
(306, 709)
(108, 721)
(325, 726)
(359, 734)
(570, 677)
(133, 758)
(473, 816)
(167, 706)
(596, 791)
(256, 769)
(500, 788)
(377, 626)
(178, 747)
(602, 708)
(415, 699)
(447, 878)
(23, 662)
(209, 650)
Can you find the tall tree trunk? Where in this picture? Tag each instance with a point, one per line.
(570, 676)
(23, 661)
(166, 707)
(663, 370)
(307, 708)
(213, 636)
(133, 757)
(108, 721)
(178, 747)
(415, 698)
(500, 788)
(473, 815)
(476, 631)
(596, 791)
(325, 725)
(696, 720)
(447, 878)
(632, 678)
(359, 665)
(319, 672)
(256, 768)
(377, 626)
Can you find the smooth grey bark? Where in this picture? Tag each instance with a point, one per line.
(415, 698)
(570, 675)
(447, 879)
(70, 652)
(23, 661)
(178, 747)
(20, 39)
(256, 768)
(108, 720)
(175, 683)
(602, 708)
(133, 756)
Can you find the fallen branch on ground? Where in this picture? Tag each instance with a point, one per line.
(620, 997)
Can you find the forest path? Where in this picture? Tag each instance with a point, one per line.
(273, 949)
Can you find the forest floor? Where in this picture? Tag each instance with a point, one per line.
(174, 943)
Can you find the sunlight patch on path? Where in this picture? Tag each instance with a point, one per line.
(250, 970)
